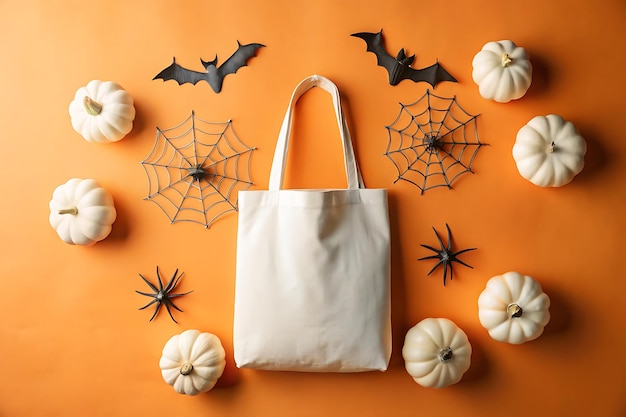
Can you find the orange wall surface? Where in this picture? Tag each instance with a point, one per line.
(72, 341)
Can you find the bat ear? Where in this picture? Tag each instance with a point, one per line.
(208, 64)
(403, 59)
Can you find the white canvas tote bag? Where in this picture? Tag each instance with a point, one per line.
(313, 268)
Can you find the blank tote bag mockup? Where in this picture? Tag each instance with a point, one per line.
(313, 268)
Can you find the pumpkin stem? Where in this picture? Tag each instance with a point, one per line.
(91, 106)
(514, 311)
(186, 369)
(73, 211)
(506, 60)
(445, 354)
(551, 148)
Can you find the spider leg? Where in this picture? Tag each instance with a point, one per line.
(178, 295)
(451, 271)
(446, 265)
(147, 294)
(463, 251)
(156, 310)
(159, 279)
(173, 281)
(449, 247)
(148, 305)
(431, 248)
(169, 303)
(149, 283)
(439, 239)
(167, 306)
(454, 257)
(429, 257)
(463, 263)
(441, 261)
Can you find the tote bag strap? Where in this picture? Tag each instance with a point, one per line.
(277, 173)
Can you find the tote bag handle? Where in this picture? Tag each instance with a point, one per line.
(282, 146)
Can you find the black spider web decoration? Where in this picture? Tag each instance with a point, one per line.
(432, 142)
(196, 169)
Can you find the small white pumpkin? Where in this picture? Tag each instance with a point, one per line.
(81, 212)
(549, 151)
(436, 353)
(513, 308)
(502, 71)
(192, 362)
(102, 111)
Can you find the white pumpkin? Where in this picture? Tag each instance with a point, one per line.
(513, 308)
(102, 111)
(549, 151)
(436, 353)
(502, 71)
(82, 212)
(192, 362)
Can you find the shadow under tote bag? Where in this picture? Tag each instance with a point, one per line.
(313, 268)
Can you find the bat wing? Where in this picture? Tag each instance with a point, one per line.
(432, 75)
(237, 60)
(374, 43)
(180, 74)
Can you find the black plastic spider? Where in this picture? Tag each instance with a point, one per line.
(162, 295)
(445, 255)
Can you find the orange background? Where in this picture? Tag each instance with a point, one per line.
(72, 342)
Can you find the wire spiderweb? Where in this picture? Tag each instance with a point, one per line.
(196, 169)
(432, 142)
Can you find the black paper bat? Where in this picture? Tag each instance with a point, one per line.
(399, 68)
(214, 75)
